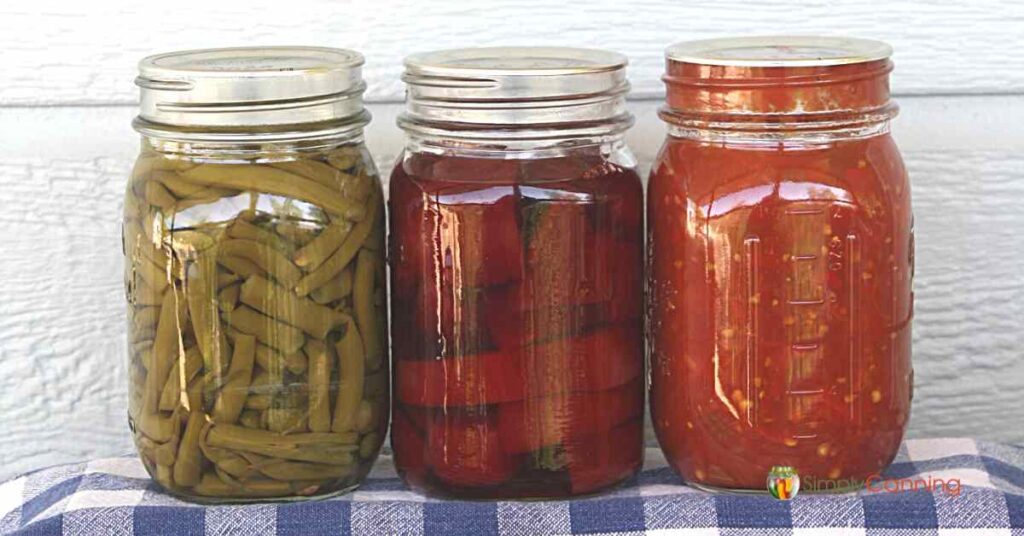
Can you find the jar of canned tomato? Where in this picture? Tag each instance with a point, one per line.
(516, 251)
(781, 259)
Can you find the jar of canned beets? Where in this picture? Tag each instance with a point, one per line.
(254, 271)
(781, 259)
(516, 249)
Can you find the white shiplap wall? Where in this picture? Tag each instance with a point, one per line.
(66, 100)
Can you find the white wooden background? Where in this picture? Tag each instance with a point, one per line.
(66, 100)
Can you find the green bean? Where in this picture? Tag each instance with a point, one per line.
(249, 418)
(279, 469)
(232, 396)
(340, 259)
(166, 347)
(183, 189)
(296, 362)
(243, 229)
(164, 475)
(200, 289)
(152, 274)
(236, 466)
(224, 279)
(286, 420)
(211, 485)
(222, 358)
(267, 258)
(157, 427)
(277, 302)
(313, 254)
(258, 402)
(157, 256)
(275, 182)
(359, 185)
(335, 290)
(158, 196)
(144, 321)
(146, 295)
(351, 365)
(138, 347)
(320, 172)
(366, 416)
(184, 204)
(159, 162)
(190, 364)
(159, 453)
(140, 174)
(362, 300)
(137, 241)
(146, 358)
(343, 158)
(270, 359)
(177, 187)
(131, 211)
(153, 226)
(194, 392)
(268, 331)
(261, 381)
(308, 446)
(227, 298)
(240, 266)
(295, 233)
(375, 242)
(369, 445)
(214, 454)
(320, 365)
(189, 463)
(376, 385)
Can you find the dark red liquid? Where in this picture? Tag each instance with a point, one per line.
(517, 324)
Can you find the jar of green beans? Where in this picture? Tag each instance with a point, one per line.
(255, 276)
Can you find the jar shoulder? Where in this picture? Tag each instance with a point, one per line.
(480, 167)
(854, 170)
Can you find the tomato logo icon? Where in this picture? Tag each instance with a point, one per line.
(783, 482)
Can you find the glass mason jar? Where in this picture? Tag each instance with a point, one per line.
(254, 272)
(516, 248)
(780, 266)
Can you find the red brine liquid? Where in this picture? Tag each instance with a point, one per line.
(517, 324)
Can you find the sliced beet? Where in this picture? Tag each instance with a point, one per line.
(532, 424)
(594, 361)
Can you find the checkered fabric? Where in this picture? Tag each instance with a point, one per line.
(115, 496)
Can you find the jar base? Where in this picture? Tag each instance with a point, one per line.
(503, 494)
(213, 501)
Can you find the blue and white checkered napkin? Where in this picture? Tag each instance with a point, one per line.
(115, 496)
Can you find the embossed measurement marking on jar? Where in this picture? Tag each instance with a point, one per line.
(752, 250)
(813, 252)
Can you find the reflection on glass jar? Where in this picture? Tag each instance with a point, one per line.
(780, 262)
(516, 255)
(254, 275)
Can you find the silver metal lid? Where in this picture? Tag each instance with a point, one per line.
(252, 86)
(539, 86)
(779, 51)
